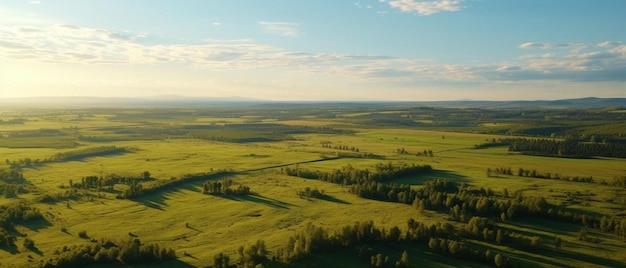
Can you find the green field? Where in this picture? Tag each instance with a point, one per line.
(48, 155)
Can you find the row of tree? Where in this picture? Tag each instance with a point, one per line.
(224, 187)
(314, 239)
(109, 181)
(128, 252)
(462, 202)
(566, 148)
(340, 147)
(521, 172)
(349, 175)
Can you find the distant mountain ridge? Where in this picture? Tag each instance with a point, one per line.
(176, 100)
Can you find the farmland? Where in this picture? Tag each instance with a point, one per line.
(175, 178)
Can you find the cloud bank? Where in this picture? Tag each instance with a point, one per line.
(280, 28)
(427, 7)
(577, 62)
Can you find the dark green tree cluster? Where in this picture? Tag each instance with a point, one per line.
(130, 251)
(251, 256)
(224, 187)
(221, 260)
(522, 172)
(403, 193)
(311, 193)
(109, 181)
(6, 239)
(11, 190)
(349, 175)
(481, 228)
(12, 176)
(499, 171)
(440, 237)
(84, 153)
(340, 147)
(461, 250)
(24, 162)
(13, 214)
(17, 213)
(134, 190)
(567, 148)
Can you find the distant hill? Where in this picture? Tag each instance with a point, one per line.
(175, 100)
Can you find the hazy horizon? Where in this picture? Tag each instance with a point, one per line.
(376, 50)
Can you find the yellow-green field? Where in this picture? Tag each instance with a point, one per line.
(198, 226)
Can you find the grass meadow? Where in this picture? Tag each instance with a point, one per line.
(198, 226)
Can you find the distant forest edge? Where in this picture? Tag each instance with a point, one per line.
(569, 148)
(589, 102)
(265, 123)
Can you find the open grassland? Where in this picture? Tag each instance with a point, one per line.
(255, 147)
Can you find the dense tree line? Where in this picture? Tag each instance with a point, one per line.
(521, 172)
(567, 148)
(12, 183)
(128, 252)
(314, 239)
(87, 152)
(7, 239)
(17, 213)
(67, 156)
(109, 181)
(311, 193)
(349, 175)
(340, 147)
(224, 187)
(10, 215)
(11, 176)
(442, 194)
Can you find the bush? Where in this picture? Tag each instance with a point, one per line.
(83, 234)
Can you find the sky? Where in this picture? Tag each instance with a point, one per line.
(396, 50)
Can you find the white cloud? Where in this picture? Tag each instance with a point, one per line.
(280, 28)
(582, 63)
(34, 2)
(610, 44)
(90, 46)
(572, 46)
(426, 7)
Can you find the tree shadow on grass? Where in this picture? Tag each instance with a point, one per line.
(256, 198)
(37, 224)
(434, 174)
(330, 198)
(528, 258)
(545, 225)
(581, 258)
(36, 251)
(10, 249)
(155, 201)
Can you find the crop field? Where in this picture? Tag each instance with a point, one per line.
(338, 186)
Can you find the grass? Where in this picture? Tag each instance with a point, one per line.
(275, 212)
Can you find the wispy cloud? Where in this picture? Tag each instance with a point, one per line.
(280, 28)
(577, 62)
(572, 46)
(583, 63)
(426, 7)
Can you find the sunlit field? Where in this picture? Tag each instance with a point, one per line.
(293, 184)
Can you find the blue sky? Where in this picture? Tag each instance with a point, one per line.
(314, 50)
